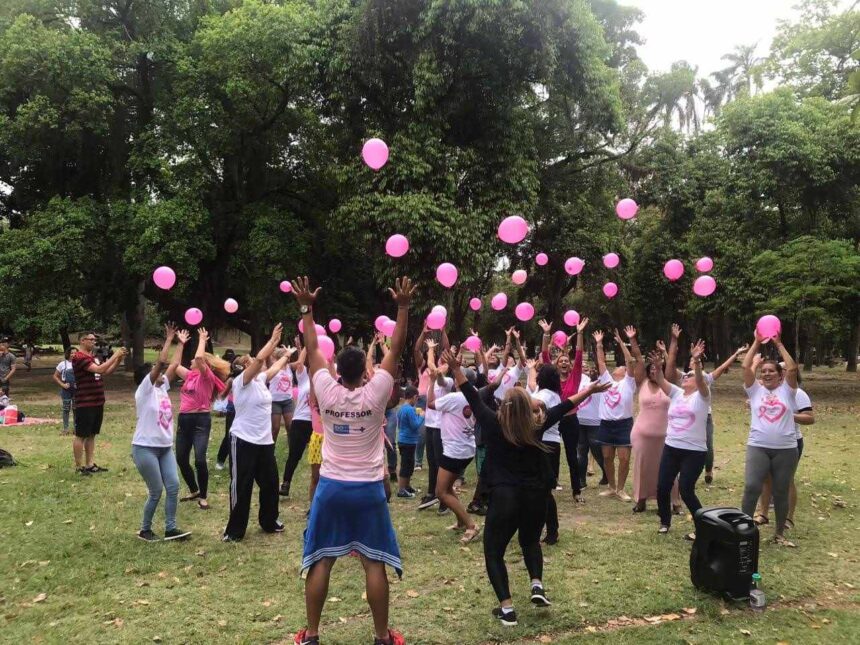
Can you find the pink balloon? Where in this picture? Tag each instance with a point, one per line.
(519, 276)
(541, 259)
(571, 318)
(673, 269)
(626, 208)
(574, 265)
(768, 326)
(446, 274)
(320, 329)
(513, 229)
(164, 277)
(704, 285)
(397, 246)
(611, 260)
(472, 343)
(375, 153)
(440, 309)
(499, 301)
(285, 286)
(475, 304)
(524, 311)
(559, 339)
(326, 345)
(705, 264)
(388, 327)
(334, 325)
(435, 320)
(231, 306)
(193, 316)
(610, 289)
(379, 322)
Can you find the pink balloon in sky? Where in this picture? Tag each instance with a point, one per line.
(513, 229)
(768, 326)
(334, 325)
(285, 286)
(375, 153)
(388, 327)
(326, 345)
(571, 318)
(610, 289)
(193, 316)
(704, 285)
(231, 306)
(559, 338)
(574, 265)
(611, 260)
(499, 301)
(519, 276)
(524, 311)
(435, 320)
(673, 269)
(446, 274)
(164, 277)
(441, 309)
(472, 343)
(379, 322)
(320, 330)
(705, 264)
(475, 304)
(626, 208)
(541, 259)
(397, 246)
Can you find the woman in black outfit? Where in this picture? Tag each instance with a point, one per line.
(519, 477)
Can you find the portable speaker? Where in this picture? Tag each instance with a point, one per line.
(725, 553)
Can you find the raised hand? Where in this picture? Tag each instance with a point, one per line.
(661, 346)
(598, 336)
(741, 351)
(596, 387)
(403, 291)
(515, 333)
(431, 344)
(277, 330)
(531, 363)
(630, 332)
(183, 336)
(452, 359)
(203, 334)
(546, 326)
(303, 293)
(698, 350)
(472, 332)
(656, 358)
(169, 332)
(757, 360)
(508, 332)
(617, 336)
(676, 331)
(583, 323)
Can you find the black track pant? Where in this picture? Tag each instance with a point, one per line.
(252, 463)
(433, 447)
(298, 437)
(551, 507)
(569, 429)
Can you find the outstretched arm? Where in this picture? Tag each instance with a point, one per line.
(544, 343)
(306, 299)
(401, 294)
(601, 357)
(161, 363)
(175, 367)
(657, 359)
(749, 369)
(701, 383)
(671, 361)
(628, 357)
(199, 361)
(790, 365)
(722, 369)
(279, 364)
(417, 354)
(257, 362)
(639, 365)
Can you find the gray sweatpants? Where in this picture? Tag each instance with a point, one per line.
(780, 464)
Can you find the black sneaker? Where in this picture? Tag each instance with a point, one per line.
(230, 538)
(709, 478)
(148, 536)
(285, 490)
(508, 619)
(278, 528)
(405, 494)
(482, 510)
(414, 491)
(95, 468)
(83, 471)
(176, 534)
(473, 507)
(539, 598)
(443, 510)
(427, 501)
(550, 539)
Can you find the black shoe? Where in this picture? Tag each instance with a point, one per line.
(285, 490)
(508, 619)
(95, 468)
(278, 528)
(427, 501)
(414, 491)
(176, 534)
(482, 510)
(473, 507)
(230, 538)
(443, 510)
(709, 478)
(539, 598)
(83, 471)
(603, 481)
(148, 536)
(405, 494)
(550, 539)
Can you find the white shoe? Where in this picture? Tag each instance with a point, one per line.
(609, 492)
(220, 465)
(624, 497)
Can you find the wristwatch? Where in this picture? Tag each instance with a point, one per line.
(304, 309)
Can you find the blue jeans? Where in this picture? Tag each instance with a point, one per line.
(391, 433)
(157, 466)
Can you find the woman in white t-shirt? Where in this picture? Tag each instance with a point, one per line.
(301, 428)
(772, 443)
(686, 444)
(281, 389)
(64, 376)
(152, 444)
(616, 417)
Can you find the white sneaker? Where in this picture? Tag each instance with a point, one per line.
(609, 492)
(220, 465)
(624, 497)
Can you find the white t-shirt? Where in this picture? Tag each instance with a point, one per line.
(458, 426)
(253, 403)
(154, 415)
(617, 402)
(352, 425)
(709, 379)
(688, 420)
(772, 416)
(588, 412)
(509, 380)
(801, 402)
(550, 400)
(303, 387)
(63, 366)
(281, 385)
(432, 418)
(493, 374)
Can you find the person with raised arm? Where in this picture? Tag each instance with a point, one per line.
(519, 478)
(616, 417)
(772, 442)
(349, 510)
(301, 427)
(152, 443)
(686, 438)
(252, 448)
(423, 382)
(433, 429)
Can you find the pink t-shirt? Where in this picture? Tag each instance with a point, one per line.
(423, 383)
(198, 389)
(316, 419)
(352, 423)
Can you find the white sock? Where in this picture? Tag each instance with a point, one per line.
(537, 583)
(508, 610)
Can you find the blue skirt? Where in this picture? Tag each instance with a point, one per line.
(615, 432)
(350, 516)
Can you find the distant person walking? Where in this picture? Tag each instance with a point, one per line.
(7, 366)
(64, 377)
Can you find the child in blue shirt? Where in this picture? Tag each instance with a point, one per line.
(409, 424)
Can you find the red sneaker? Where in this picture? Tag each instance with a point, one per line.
(303, 639)
(394, 638)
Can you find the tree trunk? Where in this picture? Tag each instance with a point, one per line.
(797, 337)
(853, 348)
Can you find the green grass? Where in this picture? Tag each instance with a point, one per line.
(73, 540)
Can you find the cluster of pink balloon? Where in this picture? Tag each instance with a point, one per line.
(704, 285)
(165, 278)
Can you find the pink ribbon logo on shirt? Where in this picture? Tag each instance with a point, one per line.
(612, 398)
(165, 414)
(772, 409)
(681, 418)
(284, 384)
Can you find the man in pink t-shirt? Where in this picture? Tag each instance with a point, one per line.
(349, 510)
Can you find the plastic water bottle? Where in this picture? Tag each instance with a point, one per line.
(757, 599)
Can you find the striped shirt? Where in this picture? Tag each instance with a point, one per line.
(90, 391)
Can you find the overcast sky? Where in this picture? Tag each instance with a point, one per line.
(701, 31)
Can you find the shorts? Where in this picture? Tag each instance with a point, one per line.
(615, 432)
(88, 421)
(315, 449)
(283, 407)
(453, 465)
(799, 448)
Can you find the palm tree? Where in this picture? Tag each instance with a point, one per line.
(675, 95)
(744, 71)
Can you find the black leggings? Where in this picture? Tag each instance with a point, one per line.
(588, 442)
(551, 507)
(193, 431)
(224, 449)
(407, 459)
(298, 437)
(513, 510)
(687, 465)
(569, 429)
(433, 447)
